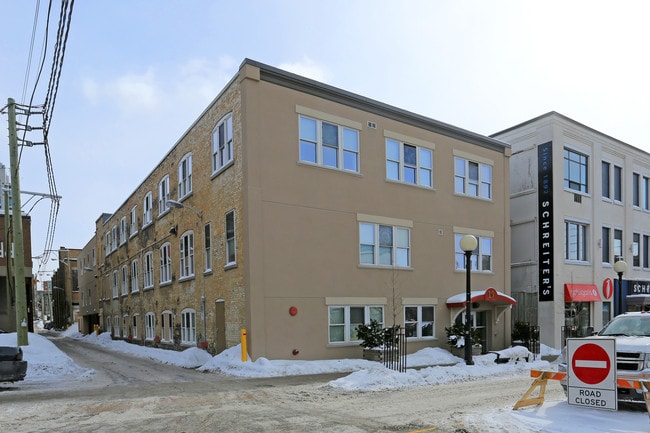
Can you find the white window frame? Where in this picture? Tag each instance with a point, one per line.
(134, 324)
(370, 245)
(134, 220)
(124, 281)
(147, 270)
(116, 326)
(349, 329)
(186, 262)
(147, 209)
(163, 195)
(466, 184)
(115, 285)
(397, 168)
(125, 326)
(135, 281)
(482, 257)
(346, 148)
(114, 238)
(167, 326)
(230, 233)
(222, 144)
(123, 231)
(165, 263)
(418, 323)
(576, 250)
(188, 326)
(185, 176)
(149, 326)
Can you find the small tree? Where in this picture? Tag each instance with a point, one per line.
(371, 335)
(456, 335)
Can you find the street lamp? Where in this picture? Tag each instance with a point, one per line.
(620, 267)
(468, 243)
(178, 205)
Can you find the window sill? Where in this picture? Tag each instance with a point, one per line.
(230, 266)
(187, 278)
(399, 182)
(165, 284)
(222, 169)
(397, 268)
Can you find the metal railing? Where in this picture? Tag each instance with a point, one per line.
(394, 351)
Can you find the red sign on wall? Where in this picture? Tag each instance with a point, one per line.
(608, 288)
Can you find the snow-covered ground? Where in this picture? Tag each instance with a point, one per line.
(435, 366)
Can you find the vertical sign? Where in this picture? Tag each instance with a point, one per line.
(545, 220)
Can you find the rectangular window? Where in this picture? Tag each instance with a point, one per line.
(605, 180)
(208, 247)
(185, 176)
(645, 193)
(575, 241)
(636, 250)
(135, 282)
(165, 264)
(618, 183)
(187, 255)
(125, 281)
(116, 321)
(418, 321)
(383, 245)
(222, 144)
(135, 334)
(343, 321)
(167, 326)
(481, 259)
(147, 271)
(329, 145)
(123, 230)
(575, 171)
(409, 164)
(188, 327)
(231, 257)
(134, 220)
(618, 245)
(115, 285)
(605, 245)
(163, 195)
(472, 178)
(636, 189)
(149, 326)
(147, 209)
(646, 251)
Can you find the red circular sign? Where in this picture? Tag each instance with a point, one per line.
(608, 288)
(591, 363)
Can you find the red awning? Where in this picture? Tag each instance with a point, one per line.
(489, 295)
(581, 293)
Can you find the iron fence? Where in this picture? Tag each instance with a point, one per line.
(394, 352)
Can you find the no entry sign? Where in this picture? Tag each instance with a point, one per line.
(592, 372)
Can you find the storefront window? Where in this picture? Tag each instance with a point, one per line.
(577, 319)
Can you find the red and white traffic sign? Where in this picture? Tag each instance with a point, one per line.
(608, 288)
(591, 372)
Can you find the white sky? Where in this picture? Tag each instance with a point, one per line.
(48, 365)
(136, 75)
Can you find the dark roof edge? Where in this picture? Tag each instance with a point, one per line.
(316, 88)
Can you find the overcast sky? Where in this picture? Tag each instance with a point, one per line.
(137, 73)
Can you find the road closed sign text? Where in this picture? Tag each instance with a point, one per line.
(591, 368)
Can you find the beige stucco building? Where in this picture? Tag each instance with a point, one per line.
(580, 201)
(296, 211)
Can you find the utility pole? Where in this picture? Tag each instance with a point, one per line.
(17, 225)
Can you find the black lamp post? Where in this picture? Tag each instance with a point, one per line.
(468, 243)
(619, 267)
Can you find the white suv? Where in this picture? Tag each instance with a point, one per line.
(632, 333)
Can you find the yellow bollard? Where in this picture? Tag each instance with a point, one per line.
(96, 329)
(244, 356)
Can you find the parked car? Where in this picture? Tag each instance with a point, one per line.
(12, 366)
(632, 333)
